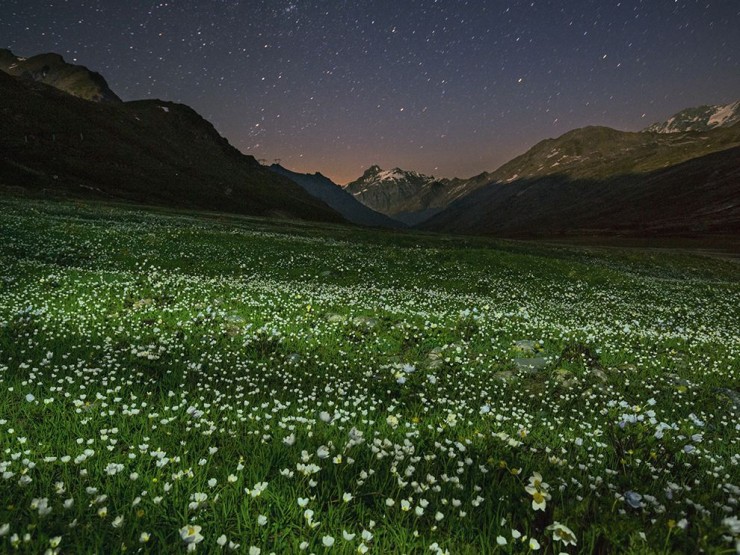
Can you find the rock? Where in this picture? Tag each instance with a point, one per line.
(730, 394)
(434, 358)
(531, 365)
(141, 303)
(365, 321)
(504, 376)
(526, 346)
(294, 358)
(565, 377)
(600, 374)
(335, 318)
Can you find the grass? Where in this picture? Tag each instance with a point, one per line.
(160, 370)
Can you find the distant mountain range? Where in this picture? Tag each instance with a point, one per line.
(406, 196)
(337, 198)
(701, 118)
(63, 133)
(589, 180)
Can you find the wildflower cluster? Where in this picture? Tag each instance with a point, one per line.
(170, 382)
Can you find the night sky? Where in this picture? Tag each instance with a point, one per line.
(445, 87)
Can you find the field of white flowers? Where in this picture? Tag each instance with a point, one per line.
(173, 383)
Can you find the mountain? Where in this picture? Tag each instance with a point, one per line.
(337, 198)
(587, 154)
(406, 196)
(600, 180)
(148, 151)
(51, 69)
(701, 118)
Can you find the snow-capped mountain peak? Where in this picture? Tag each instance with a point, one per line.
(701, 118)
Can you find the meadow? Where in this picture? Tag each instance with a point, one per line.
(175, 382)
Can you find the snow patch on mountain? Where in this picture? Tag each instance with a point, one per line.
(701, 118)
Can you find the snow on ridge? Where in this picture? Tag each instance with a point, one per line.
(723, 113)
(390, 175)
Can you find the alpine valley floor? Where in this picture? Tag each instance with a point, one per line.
(174, 381)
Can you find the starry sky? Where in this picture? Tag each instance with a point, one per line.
(444, 87)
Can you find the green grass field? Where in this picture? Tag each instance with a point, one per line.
(172, 381)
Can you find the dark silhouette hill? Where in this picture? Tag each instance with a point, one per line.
(154, 152)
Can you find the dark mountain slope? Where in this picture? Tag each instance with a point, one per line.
(51, 69)
(696, 197)
(146, 151)
(337, 198)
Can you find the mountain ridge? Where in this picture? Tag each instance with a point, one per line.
(699, 118)
(51, 69)
(53, 143)
(338, 198)
(404, 195)
(658, 177)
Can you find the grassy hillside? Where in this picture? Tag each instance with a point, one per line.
(598, 180)
(692, 199)
(601, 153)
(172, 380)
(151, 151)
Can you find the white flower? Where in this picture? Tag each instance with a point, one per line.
(221, 541)
(302, 502)
(534, 545)
(560, 532)
(190, 534)
(328, 541)
(347, 497)
(30, 398)
(347, 536)
(262, 520)
(254, 550)
(501, 540)
(308, 515)
(257, 490)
